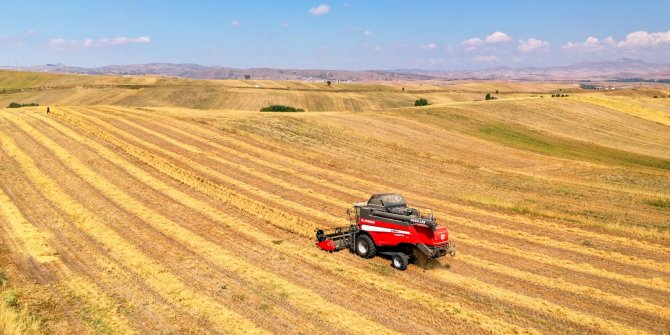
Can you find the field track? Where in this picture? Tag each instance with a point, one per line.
(120, 220)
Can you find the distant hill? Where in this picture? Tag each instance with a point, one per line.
(597, 70)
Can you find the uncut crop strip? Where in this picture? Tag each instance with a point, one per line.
(154, 273)
(327, 264)
(106, 154)
(577, 317)
(609, 255)
(305, 300)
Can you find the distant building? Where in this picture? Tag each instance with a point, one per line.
(247, 76)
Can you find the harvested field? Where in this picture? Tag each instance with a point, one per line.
(167, 219)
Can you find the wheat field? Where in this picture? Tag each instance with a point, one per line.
(176, 208)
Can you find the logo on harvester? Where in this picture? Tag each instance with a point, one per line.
(368, 221)
(442, 236)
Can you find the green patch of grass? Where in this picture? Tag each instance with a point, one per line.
(586, 243)
(277, 242)
(660, 203)
(95, 321)
(530, 140)
(382, 269)
(264, 307)
(12, 298)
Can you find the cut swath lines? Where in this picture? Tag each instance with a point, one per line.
(302, 298)
(553, 243)
(609, 255)
(654, 284)
(308, 233)
(242, 148)
(289, 222)
(204, 170)
(573, 316)
(571, 231)
(327, 263)
(563, 285)
(35, 242)
(176, 195)
(155, 275)
(537, 304)
(239, 167)
(213, 138)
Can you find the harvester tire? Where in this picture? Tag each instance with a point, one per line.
(365, 247)
(400, 261)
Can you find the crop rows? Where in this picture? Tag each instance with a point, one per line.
(207, 230)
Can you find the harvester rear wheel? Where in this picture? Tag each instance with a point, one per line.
(365, 247)
(400, 261)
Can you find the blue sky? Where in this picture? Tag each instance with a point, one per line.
(351, 34)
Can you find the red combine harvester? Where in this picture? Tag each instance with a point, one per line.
(385, 225)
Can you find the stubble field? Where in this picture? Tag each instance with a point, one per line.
(137, 217)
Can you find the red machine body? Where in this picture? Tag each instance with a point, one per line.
(385, 225)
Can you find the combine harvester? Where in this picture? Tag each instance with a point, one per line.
(385, 225)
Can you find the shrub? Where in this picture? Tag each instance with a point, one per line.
(655, 96)
(11, 298)
(18, 105)
(489, 97)
(421, 102)
(281, 109)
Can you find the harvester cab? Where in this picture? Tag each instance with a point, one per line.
(386, 225)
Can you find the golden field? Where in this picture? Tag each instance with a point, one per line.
(170, 206)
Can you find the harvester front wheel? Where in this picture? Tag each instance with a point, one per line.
(365, 247)
(400, 261)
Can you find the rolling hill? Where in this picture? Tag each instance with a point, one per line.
(163, 205)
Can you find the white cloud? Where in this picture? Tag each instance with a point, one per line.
(590, 44)
(368, 33)
(379, 48)
(498, 37)
(487, 59)
(531, 45)
(322, 9)
(60, 43)
(235, 23)
(472, 41)
(430, 46)
(643, 39)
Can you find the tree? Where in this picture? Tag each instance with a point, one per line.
(421, 102)
(488, 96)
(328, 83)
(496, 91)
